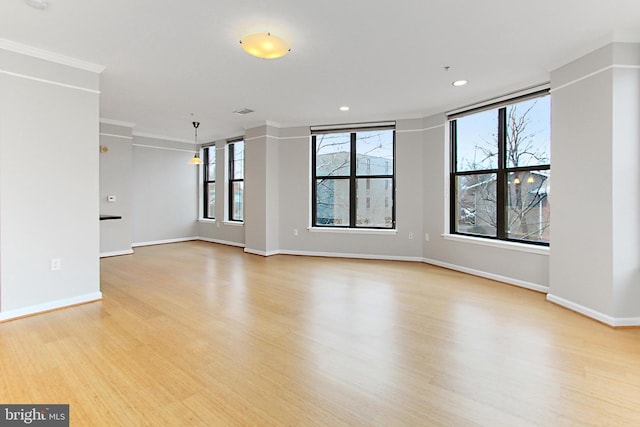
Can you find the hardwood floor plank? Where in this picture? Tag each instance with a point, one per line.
(202, 334)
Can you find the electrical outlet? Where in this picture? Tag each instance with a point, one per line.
(410, 236)
(56, 264)
(426, 237)
(295, 231)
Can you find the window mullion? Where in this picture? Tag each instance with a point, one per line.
(501, 178)
(205, 187)
(352, 183)
(393, 183)
(453, 143)
(230, 151)
(314, 183)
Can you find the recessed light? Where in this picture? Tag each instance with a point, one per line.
(459, 83)
(38, 4)
(344, 108)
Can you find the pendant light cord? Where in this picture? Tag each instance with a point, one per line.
(195, 125)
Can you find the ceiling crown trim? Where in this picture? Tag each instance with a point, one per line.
(35, 52)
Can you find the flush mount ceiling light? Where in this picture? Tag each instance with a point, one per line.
(344, 108)
(196, 160)
(38, 4)
(459, 83)
(265, 45)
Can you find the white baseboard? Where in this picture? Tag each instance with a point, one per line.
(222, 242)
(626, 321)
(596, 315)
(163, 242)
(116, 253)
(509, 280)
(261, 253)
(349, 255)
(48, 306)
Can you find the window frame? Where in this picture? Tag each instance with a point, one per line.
(352, 177)
(502, 170)
(232, 180)
(206, 182)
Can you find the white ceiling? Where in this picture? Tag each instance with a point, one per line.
(167, 59)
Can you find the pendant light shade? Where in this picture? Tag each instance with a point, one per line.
(196, 160)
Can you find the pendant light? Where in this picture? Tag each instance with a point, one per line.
(196, 160)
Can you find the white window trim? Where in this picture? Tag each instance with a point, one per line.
(352, 230)
(502, 244)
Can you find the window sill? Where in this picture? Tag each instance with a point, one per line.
(522, 247)
(209, 220)
(234, 223)
(352, 230)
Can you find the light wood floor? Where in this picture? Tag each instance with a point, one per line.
(202, 334)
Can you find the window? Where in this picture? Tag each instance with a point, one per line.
(209, 155)
(353, 178)
(235, 149)
(501, 170)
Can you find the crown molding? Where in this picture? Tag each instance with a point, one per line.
(57, 58)
(626, 37)
(116, 122)
(162, 137)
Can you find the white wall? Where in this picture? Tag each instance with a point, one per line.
(164, 191)
(626, 191)
(262, 201)
(116, 171)
(48, 184)
(294, 187)
(595, 266)
(581, 225)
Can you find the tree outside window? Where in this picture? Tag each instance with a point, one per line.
(353, 178)
(501, 170)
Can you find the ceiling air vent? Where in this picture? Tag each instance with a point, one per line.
(38, 4)
(243, 111)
